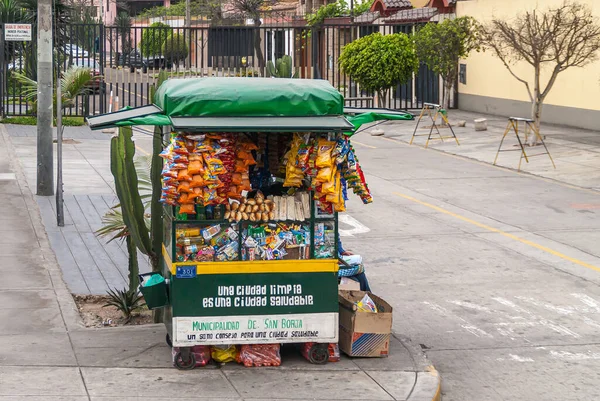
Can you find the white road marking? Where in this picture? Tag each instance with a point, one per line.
(520, 358)
(589, 301)
(7, 176)
(476, 331)
(574, 356)
(552, 308)
(471, 305)
(358, 227)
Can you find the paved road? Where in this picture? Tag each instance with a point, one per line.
(494, 273)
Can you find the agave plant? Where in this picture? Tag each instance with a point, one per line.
(283, 68)
(74, 82)
(125, 301)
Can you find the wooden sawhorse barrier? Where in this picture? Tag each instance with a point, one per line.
(513, 125)
(428, 108)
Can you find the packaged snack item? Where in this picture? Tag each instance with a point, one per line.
(184, 187)
(211, 231)
(366, 304)
(187, 208)
(195, 167)
(325, 148)
(260, 355)
(184, 175)
(224, 353)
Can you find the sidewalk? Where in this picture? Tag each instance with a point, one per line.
(90, 265)
(576, 152)
(47, 355)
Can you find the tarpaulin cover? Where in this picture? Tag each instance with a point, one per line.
(366, 118)
(248, 97)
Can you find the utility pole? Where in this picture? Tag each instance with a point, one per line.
(188, 31)
(188, 14)
(45, 179)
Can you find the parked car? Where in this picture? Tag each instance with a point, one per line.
(16, 65)
(134, 59)
(75, 51)
(97, 82)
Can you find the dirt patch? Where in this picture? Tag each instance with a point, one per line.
(94, 314)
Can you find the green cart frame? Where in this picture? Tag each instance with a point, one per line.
(243, 301)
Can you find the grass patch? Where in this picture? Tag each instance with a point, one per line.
(30, 120)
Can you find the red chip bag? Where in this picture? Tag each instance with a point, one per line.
(259, 355)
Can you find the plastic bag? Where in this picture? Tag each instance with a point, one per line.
(201, 354)
(188, 208)
(195, 167)
(324, 158)
(366, 304)
(333, 349)
(260, 355)
(224, 354)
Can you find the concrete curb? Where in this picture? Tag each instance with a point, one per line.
(65, 300)
(428, 383)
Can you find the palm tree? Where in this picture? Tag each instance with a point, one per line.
(73, 82)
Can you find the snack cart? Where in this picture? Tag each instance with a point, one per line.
(255, 173)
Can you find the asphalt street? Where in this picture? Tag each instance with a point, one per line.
(494, 273)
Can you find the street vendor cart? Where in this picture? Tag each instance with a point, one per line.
(255, 173)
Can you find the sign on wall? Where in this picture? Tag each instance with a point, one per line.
(17, 32)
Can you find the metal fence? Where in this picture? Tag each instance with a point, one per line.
(130, 58)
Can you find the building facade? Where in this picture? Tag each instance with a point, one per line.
(491, 89)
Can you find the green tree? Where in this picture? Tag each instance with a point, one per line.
(554, 40)
(377, 62)
(175, 48)
(338, 8)
(441, 45)
(123, 25)
(153, 38)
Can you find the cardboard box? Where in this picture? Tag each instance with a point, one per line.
(364, 334)
(348, 284)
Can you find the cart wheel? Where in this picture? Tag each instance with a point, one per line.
(168, 340)
(318, 354)
(185, 365)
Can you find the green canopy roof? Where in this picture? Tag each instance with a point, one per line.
(247, 104)
(248, 97)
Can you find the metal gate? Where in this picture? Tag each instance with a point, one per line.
(129, 59)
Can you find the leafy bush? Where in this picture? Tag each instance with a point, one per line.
(153, 38)
(175, 48)
(378, 62)
(339, 8)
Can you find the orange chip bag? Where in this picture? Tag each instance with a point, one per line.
(196, 193)
(236, 178)
(188, 208)
(184, 187)
(184, 175)
(195, 167)
(240, 166)
(197, 181)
